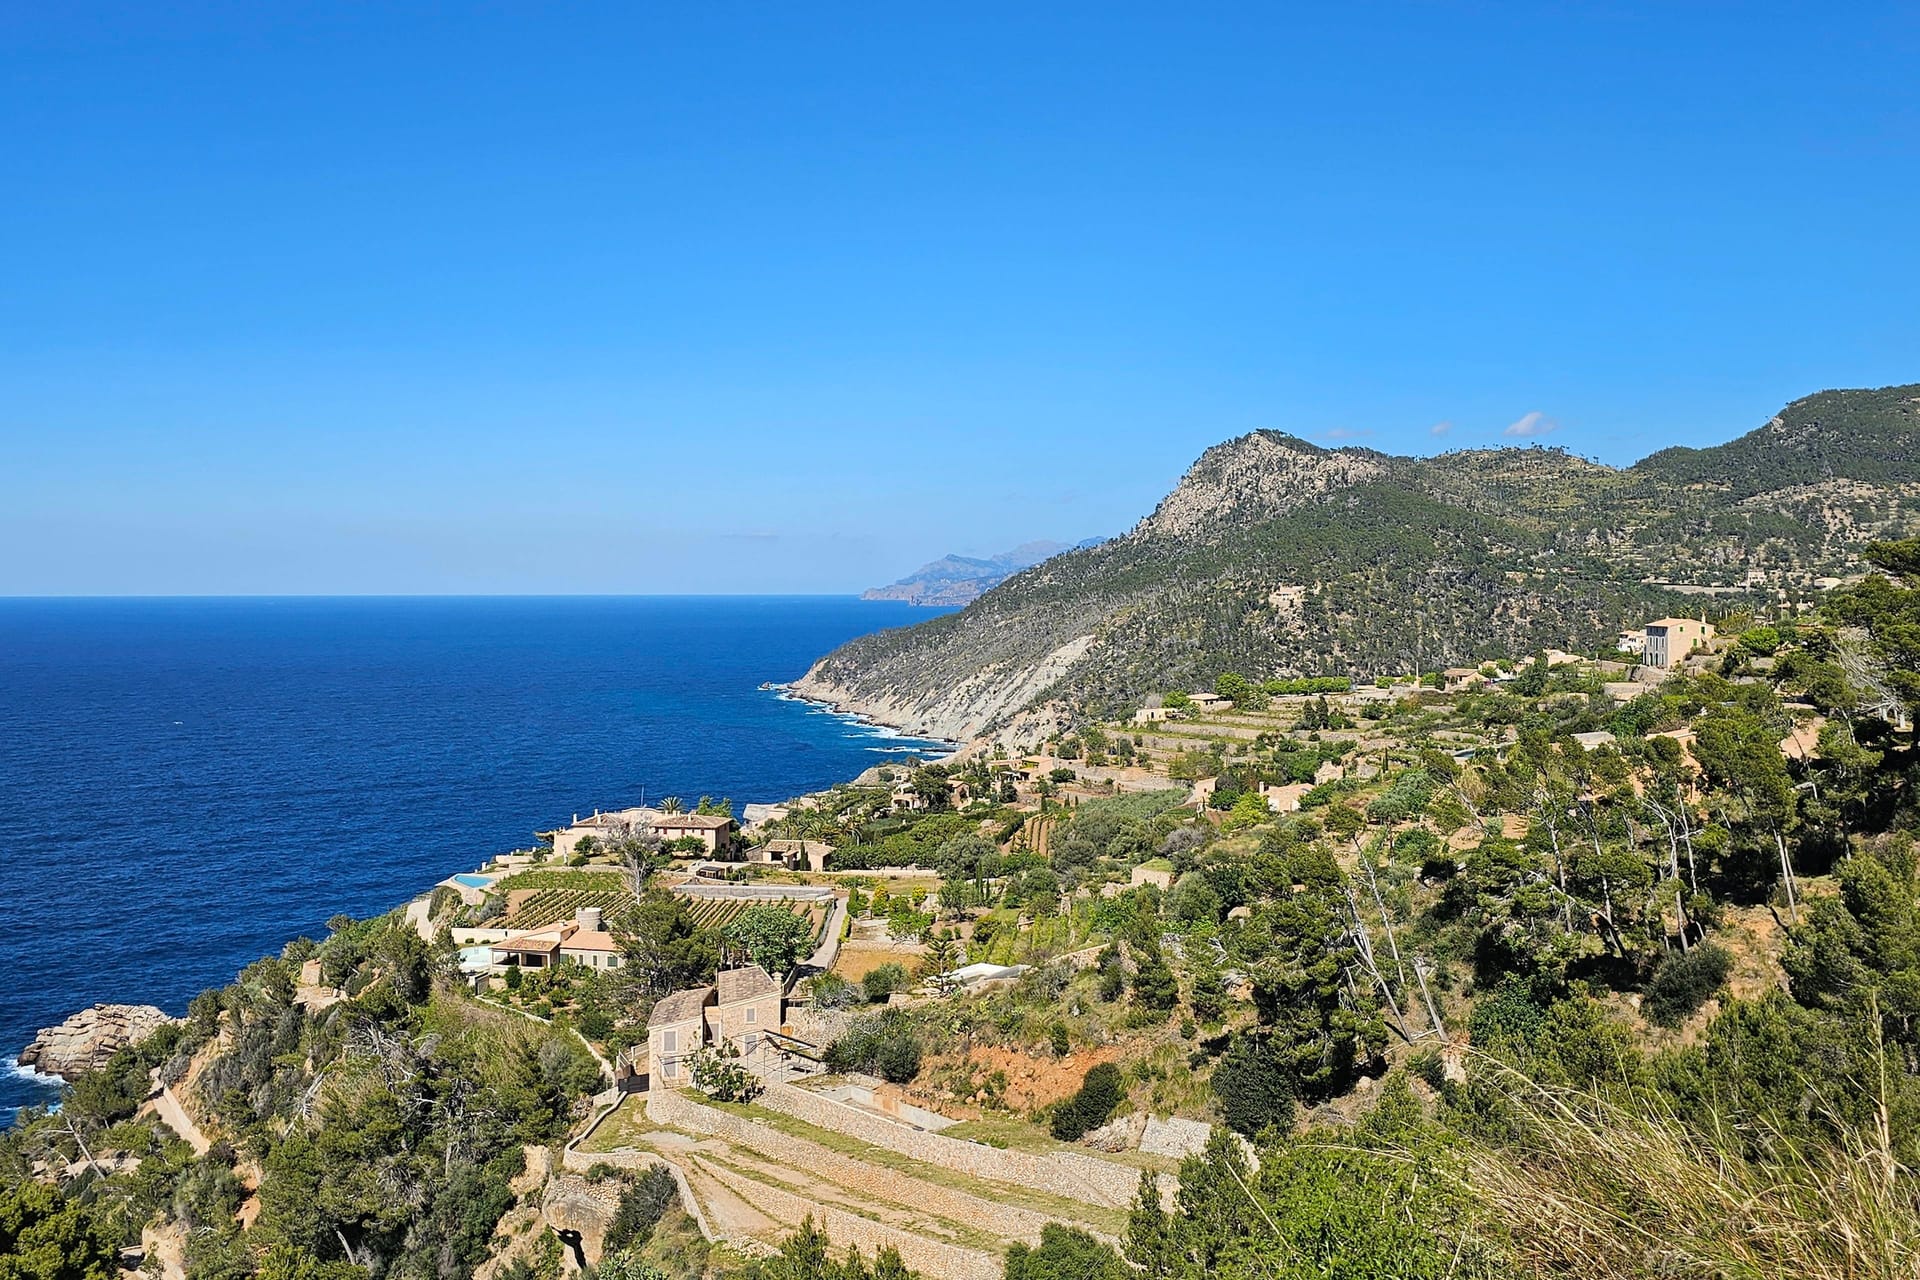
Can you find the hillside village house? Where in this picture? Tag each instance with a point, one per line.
(583, 940)
(1671, 639)
(740, 1008)
(796, 855)
(600, 827)
(711, 829)
(1284, 797)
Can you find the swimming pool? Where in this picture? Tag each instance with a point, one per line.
(472, 881)
(475, 959)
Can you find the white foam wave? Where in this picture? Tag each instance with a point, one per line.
(10, 1066)
(866, 727)
(11, 1069)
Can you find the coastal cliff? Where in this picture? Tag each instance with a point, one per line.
(992, 697)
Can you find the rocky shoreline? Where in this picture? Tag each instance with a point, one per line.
(879, 715)
(89, 1039)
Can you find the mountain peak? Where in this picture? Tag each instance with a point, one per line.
(1256, 477)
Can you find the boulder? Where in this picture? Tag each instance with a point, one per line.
(1175, 1137)
(89, 1038)
(581, 1211)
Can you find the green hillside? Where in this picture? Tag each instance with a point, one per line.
(1279, 557)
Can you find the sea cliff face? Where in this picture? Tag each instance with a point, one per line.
(999, 696)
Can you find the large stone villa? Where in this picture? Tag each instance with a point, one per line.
(714, 830)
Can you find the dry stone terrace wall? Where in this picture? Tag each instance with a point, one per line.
(883, 1184)
(1077, 1177)
(930, 1257)
(575, 1161)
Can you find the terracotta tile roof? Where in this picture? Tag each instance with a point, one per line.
(539, 942)
(750, 983)
(691, 821)
(591, 940)
(681, 1006)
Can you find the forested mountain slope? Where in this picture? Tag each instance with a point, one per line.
(1274, 556)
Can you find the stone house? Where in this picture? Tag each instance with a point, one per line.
(747, 1004)
(676, 1030)
(740, 1008)
(713, 830)
(796, 855)
(1284, 797)
(1671, 639)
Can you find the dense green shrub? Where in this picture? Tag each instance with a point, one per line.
(1087, 1109)
(1682, 983)
(883, 982)
(1064, 1253)
(1510, 1015)
(1254, 1087)
(883, 1044)
(1154, 986)
(641, 1208)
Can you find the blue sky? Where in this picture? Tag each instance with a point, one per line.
(727, 297)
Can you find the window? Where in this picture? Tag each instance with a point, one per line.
(753, 1015)
(670, 1041)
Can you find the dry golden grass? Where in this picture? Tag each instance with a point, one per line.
(1601, 1187)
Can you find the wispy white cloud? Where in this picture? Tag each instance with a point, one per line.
(1439, 428)
(1346, 433)
(1535, 423)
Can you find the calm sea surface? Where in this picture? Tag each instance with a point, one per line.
(187, 784)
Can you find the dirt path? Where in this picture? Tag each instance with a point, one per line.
(168, 1108)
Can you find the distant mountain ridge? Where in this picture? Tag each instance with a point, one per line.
(955, 580)
(1276, 556)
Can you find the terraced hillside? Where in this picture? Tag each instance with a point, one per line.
(1276, 557)
(756, 1170)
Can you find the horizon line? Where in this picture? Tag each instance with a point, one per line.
(456, 595)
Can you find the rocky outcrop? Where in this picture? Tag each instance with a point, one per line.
(574, 1206)
(1254, 478)
(89, 1038)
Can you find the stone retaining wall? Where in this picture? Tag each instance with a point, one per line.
(932, 1258)
(854, 1175)
(1063, 1173)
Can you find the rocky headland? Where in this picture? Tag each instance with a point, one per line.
(89, 1038)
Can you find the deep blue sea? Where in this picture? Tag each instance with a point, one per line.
(185, 785)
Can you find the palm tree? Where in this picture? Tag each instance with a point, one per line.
(672, 804)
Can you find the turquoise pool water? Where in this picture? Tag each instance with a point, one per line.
(472, 881)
